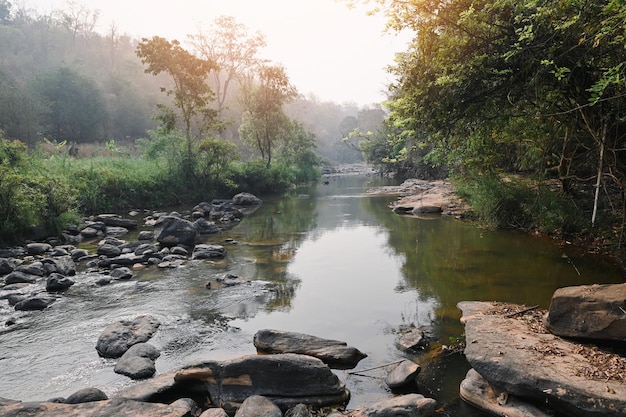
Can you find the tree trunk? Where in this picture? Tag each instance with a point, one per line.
(599, 179)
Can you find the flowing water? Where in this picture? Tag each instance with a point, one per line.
(334, 263)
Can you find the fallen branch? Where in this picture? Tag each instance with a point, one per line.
(375, 367)
(521, 311)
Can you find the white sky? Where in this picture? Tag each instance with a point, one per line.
(336, 53)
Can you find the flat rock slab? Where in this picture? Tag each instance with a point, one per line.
(334, 353)
(285, 379)
(476, 390)
(516, 355)
(118, 407)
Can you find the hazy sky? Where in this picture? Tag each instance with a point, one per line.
(336, 53)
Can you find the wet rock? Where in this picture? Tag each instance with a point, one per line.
(145, 235)
(138, 361)
(103, 281)
(246, 199)
(63, 265)
(335, 353)
(57, 282)
(171, 231)
(17, 277)
(204, 251)
(118, 337)
(36, 302)
(116, 220)
(476, 390)
(86, 395)
(118, 407)
(410, 405)
(205, 227)
(258, 406)
(402, 374)
(13, 299)
(122, 273)
(298, 410)
(223, 211)
(589, 312)
(78, 254)
(36, 268)
(538, 366)
(203, 207)
(116, 231)
(6, 266)
(412, 339)
(38, 248)
(179, 251)
(230, 280)
(109, 250)
(146, 249)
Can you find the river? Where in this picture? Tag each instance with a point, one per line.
(331, 262)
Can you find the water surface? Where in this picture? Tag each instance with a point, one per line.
(331, 262)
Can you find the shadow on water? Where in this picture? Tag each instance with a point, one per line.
(329, 262)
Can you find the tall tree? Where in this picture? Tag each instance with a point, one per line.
(233, 50)
(191, 94)
(264, 122)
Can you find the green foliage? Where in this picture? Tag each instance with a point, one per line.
(497, 203)
(255, 177)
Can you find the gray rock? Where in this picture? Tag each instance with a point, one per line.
(299, 410)
(146, 249)
(36, 268)
(145, 235)
(78, 254)
(410, 405)
(118, 407)
(38, 248)
(57, 282)
(118, 337)
(63, 265)
(171, 231)
(288, 379)
(589, 312)
(402, 374)
(36, 302)
(109, 250)
(138, 361)
(115, 220)
(203, 207)
(204, 251)
(122, 273)
(7, 266)
(476, 390)
(86, 395)
(412, 339)
(258, 406)
(205, 227)
(17, 277)
(116, 231)
(180, 251)
(246, 199)
(335, 353)
(537, 366)
(214, 412)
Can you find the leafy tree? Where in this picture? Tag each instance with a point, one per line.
(73, 107)
(233, 50)
(191, 94)
(265, 124)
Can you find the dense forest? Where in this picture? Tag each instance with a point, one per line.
(522, 102)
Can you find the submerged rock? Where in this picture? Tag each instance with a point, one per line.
(402, 374)
(332, 352)
(138, 361)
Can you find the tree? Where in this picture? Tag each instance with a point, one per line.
(264, 122)
(191, 94)
(232, 49)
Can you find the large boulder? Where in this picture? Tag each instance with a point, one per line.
(589, 311)
(63, 265)
(515, 354)
(118, 337)
(118, 407)
(335, 353)
(171, 231)
(86, 395)
(57, 282)
(19, 277)
(246, 199)
(36, 302)
(286, 379)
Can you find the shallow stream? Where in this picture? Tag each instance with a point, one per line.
(331, 262)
